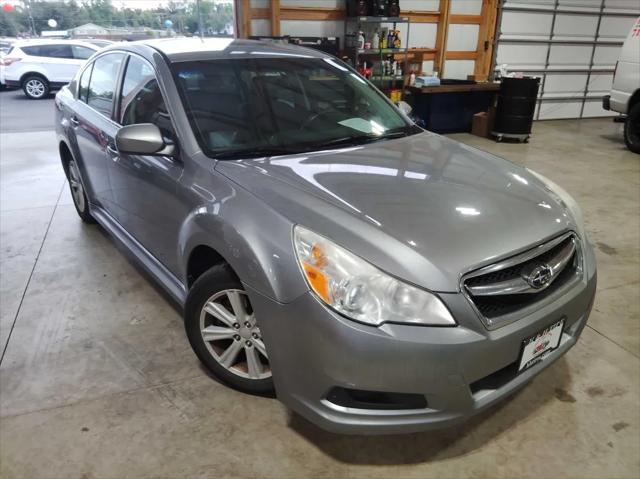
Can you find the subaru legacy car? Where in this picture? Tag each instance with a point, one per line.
(375, 276)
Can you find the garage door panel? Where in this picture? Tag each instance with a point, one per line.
(525, 25)
(560, 109)
(522, 56)
(565, 83)
(580, 27)
(570, 55)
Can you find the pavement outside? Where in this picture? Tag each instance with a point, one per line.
(97, 379)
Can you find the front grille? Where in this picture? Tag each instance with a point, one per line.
(500, 291)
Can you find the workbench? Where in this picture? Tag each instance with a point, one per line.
(449, 108)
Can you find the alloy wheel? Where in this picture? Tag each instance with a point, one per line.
(231, 335)
(35, 88)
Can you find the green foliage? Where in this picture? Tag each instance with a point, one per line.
(216, 17)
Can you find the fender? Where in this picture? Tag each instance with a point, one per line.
(264, 262)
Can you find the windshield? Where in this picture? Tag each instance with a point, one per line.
(250, 107)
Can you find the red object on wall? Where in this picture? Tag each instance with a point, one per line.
(7, 7)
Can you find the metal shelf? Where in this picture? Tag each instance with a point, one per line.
(378, 51)
(371, 19)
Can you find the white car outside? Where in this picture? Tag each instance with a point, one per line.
(40, 66)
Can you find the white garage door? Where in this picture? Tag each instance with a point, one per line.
(572, 45)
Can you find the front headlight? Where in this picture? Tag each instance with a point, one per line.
(566, 199)
(359, 290)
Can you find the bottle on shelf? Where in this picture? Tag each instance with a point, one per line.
(375, 41)
(397, 43)
(390, 39)
(383, 40)
(360, 40)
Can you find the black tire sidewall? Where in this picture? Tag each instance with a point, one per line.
(217, 279)
(44, 82)
(633, 116)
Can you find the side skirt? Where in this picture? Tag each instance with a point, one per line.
(156, 269)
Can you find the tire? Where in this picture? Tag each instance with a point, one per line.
(78, 193)
(632, 129)
(35, 87)
(212, 308)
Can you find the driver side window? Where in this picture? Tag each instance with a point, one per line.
(141, 100)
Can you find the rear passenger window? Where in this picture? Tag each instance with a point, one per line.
(84, 84)
(103, 83)
(53, 51)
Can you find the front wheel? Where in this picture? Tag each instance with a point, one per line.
(632, 129)
(35, 87)
(224, 333)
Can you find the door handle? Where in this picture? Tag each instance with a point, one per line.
(74, 121)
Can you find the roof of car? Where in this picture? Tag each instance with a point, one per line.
(48, 41)
(186, 49)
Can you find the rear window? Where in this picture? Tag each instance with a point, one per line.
(50, 51)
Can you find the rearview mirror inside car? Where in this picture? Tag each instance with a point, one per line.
(404, 107)
(142, 139)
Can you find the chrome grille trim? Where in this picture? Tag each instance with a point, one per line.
(566, 263)
(519, 285)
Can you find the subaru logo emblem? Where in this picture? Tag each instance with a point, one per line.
(540, 276)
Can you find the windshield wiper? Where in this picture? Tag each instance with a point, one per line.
(257, 151)
(362, 139)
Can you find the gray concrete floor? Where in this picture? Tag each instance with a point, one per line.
(98, 380)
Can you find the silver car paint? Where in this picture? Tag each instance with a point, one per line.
(424, 208)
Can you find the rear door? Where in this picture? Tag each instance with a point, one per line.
(58, 61)
(93, 126)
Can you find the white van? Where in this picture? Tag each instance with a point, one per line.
(625, 92)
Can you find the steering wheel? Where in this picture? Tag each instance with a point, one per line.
(320, 114)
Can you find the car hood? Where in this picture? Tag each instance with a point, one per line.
(457, 207)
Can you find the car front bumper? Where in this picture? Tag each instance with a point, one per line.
(459, 370)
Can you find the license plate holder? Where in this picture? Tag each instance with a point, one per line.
(535, 348)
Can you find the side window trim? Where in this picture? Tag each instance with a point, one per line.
(88, 66)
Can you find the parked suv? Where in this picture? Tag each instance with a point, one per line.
(625, 92)
(39, 66)
(378, 276)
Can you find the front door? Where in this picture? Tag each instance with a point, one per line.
(144, 187)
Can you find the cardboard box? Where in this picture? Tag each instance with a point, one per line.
(480, 124)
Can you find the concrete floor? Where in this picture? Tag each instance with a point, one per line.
(98, 380)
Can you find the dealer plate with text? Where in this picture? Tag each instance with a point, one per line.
(535, 348)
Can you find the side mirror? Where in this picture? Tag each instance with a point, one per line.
(142, 139)
(404, 107)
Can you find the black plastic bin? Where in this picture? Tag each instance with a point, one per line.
(516, 107)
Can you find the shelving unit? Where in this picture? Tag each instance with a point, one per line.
(386, 83)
